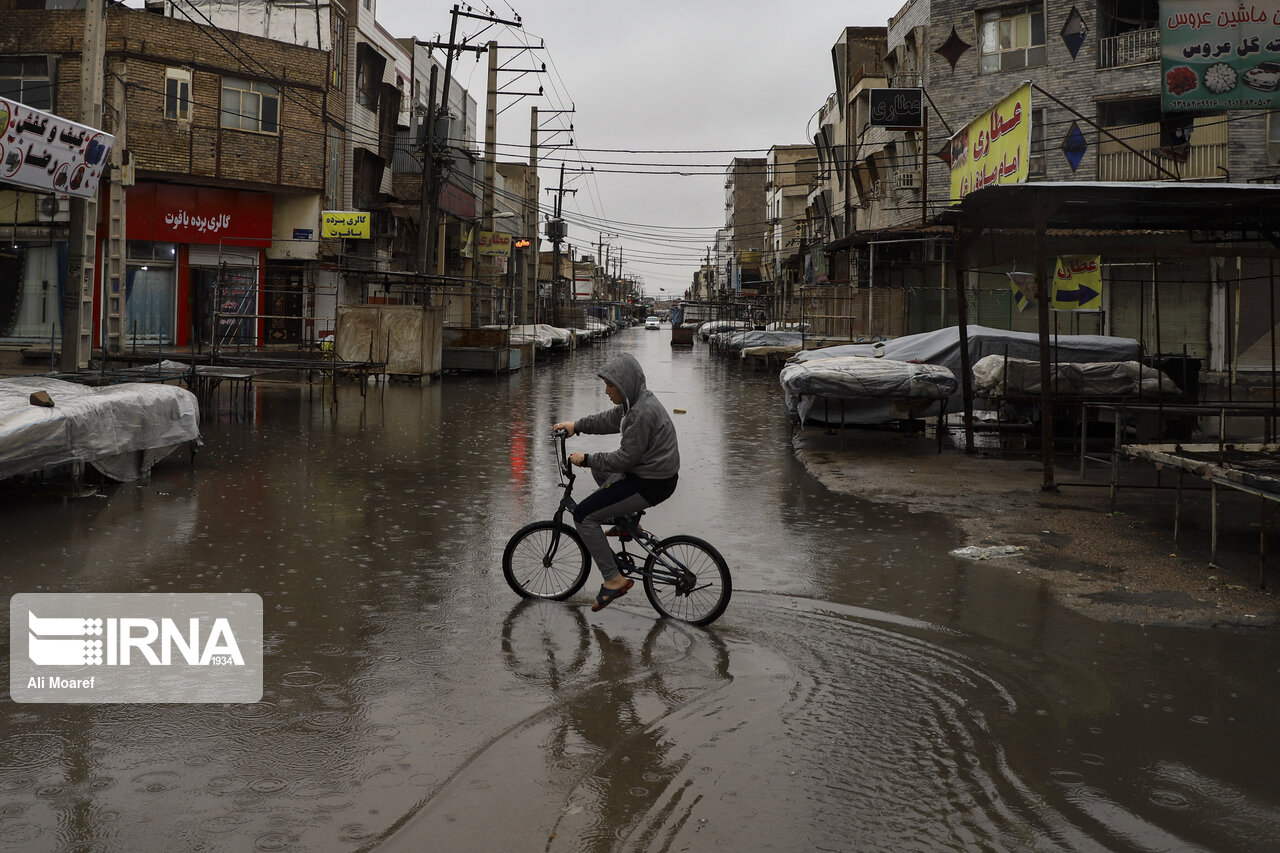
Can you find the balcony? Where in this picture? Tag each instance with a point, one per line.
(1134, 48)
(1206, 156)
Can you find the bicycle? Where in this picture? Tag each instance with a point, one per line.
(684, 577)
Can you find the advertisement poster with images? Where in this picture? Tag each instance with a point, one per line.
(994, 147)
(1217, 55)
(41, 151)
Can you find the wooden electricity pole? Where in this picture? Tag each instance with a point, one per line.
(77, 304)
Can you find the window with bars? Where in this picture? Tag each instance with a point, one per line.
(250, 105)
(28, 80)
(1011, 37)
(177, 94)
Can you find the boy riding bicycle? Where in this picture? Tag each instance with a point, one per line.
(641, 473)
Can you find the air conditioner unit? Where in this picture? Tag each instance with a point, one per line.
(54, 208)
(906, 179)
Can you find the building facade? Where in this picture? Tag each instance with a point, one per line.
(221, 185)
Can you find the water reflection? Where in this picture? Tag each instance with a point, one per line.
(864, 690)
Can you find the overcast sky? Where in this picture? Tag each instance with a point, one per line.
(658, 78)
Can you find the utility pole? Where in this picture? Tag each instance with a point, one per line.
(556, 233)
(428, 215)
(531, 225)
(77, 304)
(113, 298)
(433, 155)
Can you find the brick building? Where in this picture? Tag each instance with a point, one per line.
(224, 140)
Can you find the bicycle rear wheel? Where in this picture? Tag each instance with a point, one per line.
(546, 559)
(685, 578)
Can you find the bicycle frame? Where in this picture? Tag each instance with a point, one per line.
(665, 570)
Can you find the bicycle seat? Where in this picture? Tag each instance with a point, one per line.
(625, 526)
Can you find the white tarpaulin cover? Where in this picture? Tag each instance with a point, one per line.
(541, 335)
(737, 341)
(92, 425)
(866, 390)
(942, 347)
(997, 376)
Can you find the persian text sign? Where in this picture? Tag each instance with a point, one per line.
(898, 108)
(993, 149)
(352, 224)
(135, 647)
(1077, 283)
(1218, 55)
(494, 243)
(44, 152)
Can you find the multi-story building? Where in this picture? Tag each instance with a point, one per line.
(1094, 115)
(455, 133)
(835, 209)
(223, 180)
(745, 223)
(790, 173)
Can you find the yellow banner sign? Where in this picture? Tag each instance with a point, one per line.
(493, 243)
(1077, 283)
(352, 224)
(994, 148)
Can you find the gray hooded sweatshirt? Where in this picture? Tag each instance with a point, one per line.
(648, 449)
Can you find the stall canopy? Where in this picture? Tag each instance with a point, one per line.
(1218, 219)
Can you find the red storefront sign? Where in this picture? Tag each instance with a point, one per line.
(168, 213)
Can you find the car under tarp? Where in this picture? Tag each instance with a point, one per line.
(121, 430)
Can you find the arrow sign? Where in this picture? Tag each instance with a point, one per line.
(1077, 284)
(1075, 299)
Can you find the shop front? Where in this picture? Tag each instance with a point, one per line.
(33, 261)
(195, 264)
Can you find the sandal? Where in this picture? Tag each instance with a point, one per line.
(606, 596)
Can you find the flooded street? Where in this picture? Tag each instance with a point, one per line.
(864, 690)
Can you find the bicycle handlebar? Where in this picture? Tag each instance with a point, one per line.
(566, 468)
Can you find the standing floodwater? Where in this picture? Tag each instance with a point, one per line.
(864, 690)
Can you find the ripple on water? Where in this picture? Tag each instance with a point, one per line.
(156, 782)
(1169, 800)
(225, 823)
(268, 785)
(32, 751)
(273, 841)
(15, 831)
(301, 678)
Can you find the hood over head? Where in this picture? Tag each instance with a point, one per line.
(625, 373)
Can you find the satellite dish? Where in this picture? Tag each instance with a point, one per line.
(49, 206)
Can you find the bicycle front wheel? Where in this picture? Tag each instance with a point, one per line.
(685, 578)
(546, 559)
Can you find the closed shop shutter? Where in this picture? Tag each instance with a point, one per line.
(1253, 337)
(1183, 297)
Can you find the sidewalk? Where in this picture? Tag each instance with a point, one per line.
(1117, 567)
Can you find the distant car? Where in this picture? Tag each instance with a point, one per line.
(1265, 77)
(652, 323)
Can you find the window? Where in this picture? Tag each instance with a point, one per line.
(249, 105)
(338, 56)
(369, 67)
(335, 168)
(1037, 164)
(177, 94)
(1011, 37)
(27, 79)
